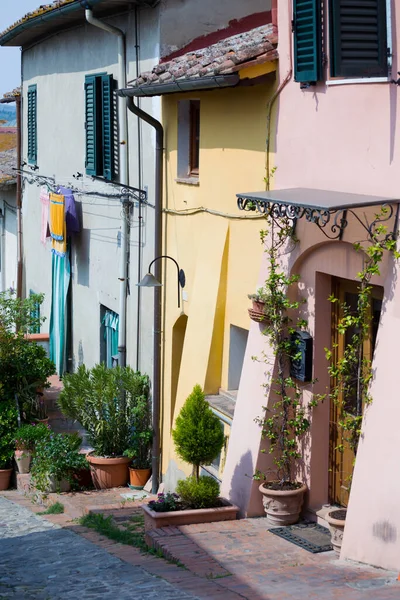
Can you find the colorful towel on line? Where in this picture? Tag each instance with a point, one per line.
(71, 216)
(57, 216)
(45, 202)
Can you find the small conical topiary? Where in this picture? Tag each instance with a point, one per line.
(198, 436)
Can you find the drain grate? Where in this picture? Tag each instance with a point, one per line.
(310, 536)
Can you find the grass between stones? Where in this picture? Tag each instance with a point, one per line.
(130, 532)
(54, 509)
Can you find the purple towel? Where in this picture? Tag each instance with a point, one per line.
(71, 217)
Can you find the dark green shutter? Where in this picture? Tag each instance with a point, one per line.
(35, 315)
(32, 124)
(358, 38)
(107, 125)
(91, 120)
(307, 40)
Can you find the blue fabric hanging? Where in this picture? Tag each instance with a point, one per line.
(61, 275)
(111, 329)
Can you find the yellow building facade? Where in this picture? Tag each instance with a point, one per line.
(204, 341)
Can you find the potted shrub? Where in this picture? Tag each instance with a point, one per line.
(56, 460)
(24, 365)
(8, 426)
(26, 438)
(285, 421)
(104, 401)
(140, 444)
(198, 440)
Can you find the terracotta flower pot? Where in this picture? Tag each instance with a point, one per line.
(336, 520)
(256, 312)
(283, 507)
(23, 460)
(5, 476)
(58, 486)
(108, 472)
(139, 477)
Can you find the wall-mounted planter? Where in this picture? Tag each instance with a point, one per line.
(256, 312)
(155, 520)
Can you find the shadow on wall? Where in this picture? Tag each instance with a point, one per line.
(240, 491)
(82, 257)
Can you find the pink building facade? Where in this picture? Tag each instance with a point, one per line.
(338, 134)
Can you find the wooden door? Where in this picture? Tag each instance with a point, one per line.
(341, 462)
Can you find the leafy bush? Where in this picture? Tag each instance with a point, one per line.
(165, 503)
(57, 457)
(142, 435)
(108, 403)
(197, 436)
(199, 493)
(8, 427)
(28, 436)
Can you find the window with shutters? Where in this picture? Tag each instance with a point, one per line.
(32, 124)
(99, 125)
(353, 41)
(188, 141)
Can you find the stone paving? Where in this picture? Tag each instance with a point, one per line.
(41, 561)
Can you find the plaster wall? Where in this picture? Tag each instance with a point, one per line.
(213, 250)
(341, 137)
(58, 67)
(8, 243)
(184, 20)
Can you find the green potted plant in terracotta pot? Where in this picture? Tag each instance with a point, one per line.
(57, 459)
(8, 427)
(260, 305)
(104, 401)
(26, 439)
(198, 440)
(140, 443)
(285, 420)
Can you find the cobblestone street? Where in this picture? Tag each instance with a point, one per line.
(39, 560)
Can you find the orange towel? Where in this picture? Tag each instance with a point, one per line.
(57, 217)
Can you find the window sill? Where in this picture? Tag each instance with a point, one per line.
(358, 81)
(188, 180)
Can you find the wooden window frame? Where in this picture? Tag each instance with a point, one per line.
(194, 138)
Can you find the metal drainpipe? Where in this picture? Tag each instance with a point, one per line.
(19, 201)
(157, 290)
(124, 179)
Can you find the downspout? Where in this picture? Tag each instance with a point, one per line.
(157, 290)
(3, 247)
(124, 179)
(140, 219)
(19, 200)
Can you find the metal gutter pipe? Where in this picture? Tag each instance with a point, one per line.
(203, 83)
(19, 200)
(124, 179)
(157, 290)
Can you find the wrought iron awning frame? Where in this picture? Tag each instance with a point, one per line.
(332, 220)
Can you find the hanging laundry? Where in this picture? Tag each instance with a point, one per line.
(57, 216)
(59, 247)
(61, 275)
(71, 216)
(45, 202)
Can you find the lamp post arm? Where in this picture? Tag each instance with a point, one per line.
(177, 268)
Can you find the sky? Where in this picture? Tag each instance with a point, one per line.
(10, 58)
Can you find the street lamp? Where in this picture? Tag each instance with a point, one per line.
(150, 281)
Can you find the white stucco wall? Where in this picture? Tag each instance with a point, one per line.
(8, 238)
(58, 67)
(184, 20)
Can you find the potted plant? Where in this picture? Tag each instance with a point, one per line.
(285, 421)
(56, 460)
(104, 401)
(259, 310)
(140, 444)
(26, 438)
(198, 439)
(8, 426)
(336, 520)
(24, 365)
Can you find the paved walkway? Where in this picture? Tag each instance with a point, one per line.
(41, 561)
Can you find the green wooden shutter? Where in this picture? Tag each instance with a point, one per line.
(107, 125)
(91, 125)
(307, 32)
(32, 124)
(35, 315)
(358, 38)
